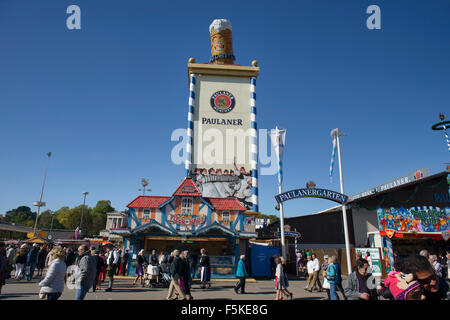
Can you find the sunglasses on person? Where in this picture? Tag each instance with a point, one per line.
(427, 280)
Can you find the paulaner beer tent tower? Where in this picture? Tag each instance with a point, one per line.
(215, 205)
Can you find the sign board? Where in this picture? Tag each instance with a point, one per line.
(414, 219)
(222, 162)
(416, 175)
(312, 193)
(288, 234)
(373, 256)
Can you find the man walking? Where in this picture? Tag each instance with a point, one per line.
(125, 263)
(32, 260)
(316, 278)
(87, 268)
(112, 258)
(241, 274)
(176, 271)
(310, 267)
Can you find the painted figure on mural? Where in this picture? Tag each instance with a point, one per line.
(219, 183)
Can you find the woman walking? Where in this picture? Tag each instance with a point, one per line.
(53, 284)
(206, 269)
(21, 261)
(241, 274)
(281, 280)
(333, 278)
(141, 260)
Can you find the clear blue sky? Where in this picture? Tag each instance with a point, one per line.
(105, 99)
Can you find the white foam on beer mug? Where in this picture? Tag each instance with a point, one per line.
(219, 25)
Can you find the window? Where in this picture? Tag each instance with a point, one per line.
(146, 214)
(186, 207)
(226, 216)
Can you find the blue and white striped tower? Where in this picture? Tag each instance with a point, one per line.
(190, 128)
(254, 144)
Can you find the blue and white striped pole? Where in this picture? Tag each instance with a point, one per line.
(254, 144)
(190, 128)
(446, 137)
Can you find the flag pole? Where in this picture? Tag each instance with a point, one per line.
(280, 190)
(344, 211)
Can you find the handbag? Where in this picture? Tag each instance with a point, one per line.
(326, 284)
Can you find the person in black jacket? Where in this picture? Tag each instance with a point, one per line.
(206, 269)
(70, 257)
(141, 263)
(125, 263)
(176, 269)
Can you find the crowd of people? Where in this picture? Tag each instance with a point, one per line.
(87, 268)
(415, 277)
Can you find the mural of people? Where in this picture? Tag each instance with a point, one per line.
(415, 219)
(225, 183)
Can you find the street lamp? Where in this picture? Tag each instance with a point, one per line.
(39, 203)
(50, 236)
(82, 211)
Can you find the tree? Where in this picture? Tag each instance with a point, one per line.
(45, 221)
(21, 215)
(103, 207)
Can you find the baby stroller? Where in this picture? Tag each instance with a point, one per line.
(150, 276)
(164, 277)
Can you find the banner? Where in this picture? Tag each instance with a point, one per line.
(372, 255)
(414, 219)
(221, 165)
(278, 138)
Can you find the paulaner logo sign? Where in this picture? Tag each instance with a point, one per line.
(222, 101)
(312, 193)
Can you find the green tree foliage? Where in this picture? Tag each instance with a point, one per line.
(45, 221)
(94, 219)
(20, 215)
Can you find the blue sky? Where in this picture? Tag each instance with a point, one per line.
(105, 99)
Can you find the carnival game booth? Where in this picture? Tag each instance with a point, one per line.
(188, 221)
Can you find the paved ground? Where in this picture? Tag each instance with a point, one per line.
(124, 290)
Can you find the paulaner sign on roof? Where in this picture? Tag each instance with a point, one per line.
(419, 174)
